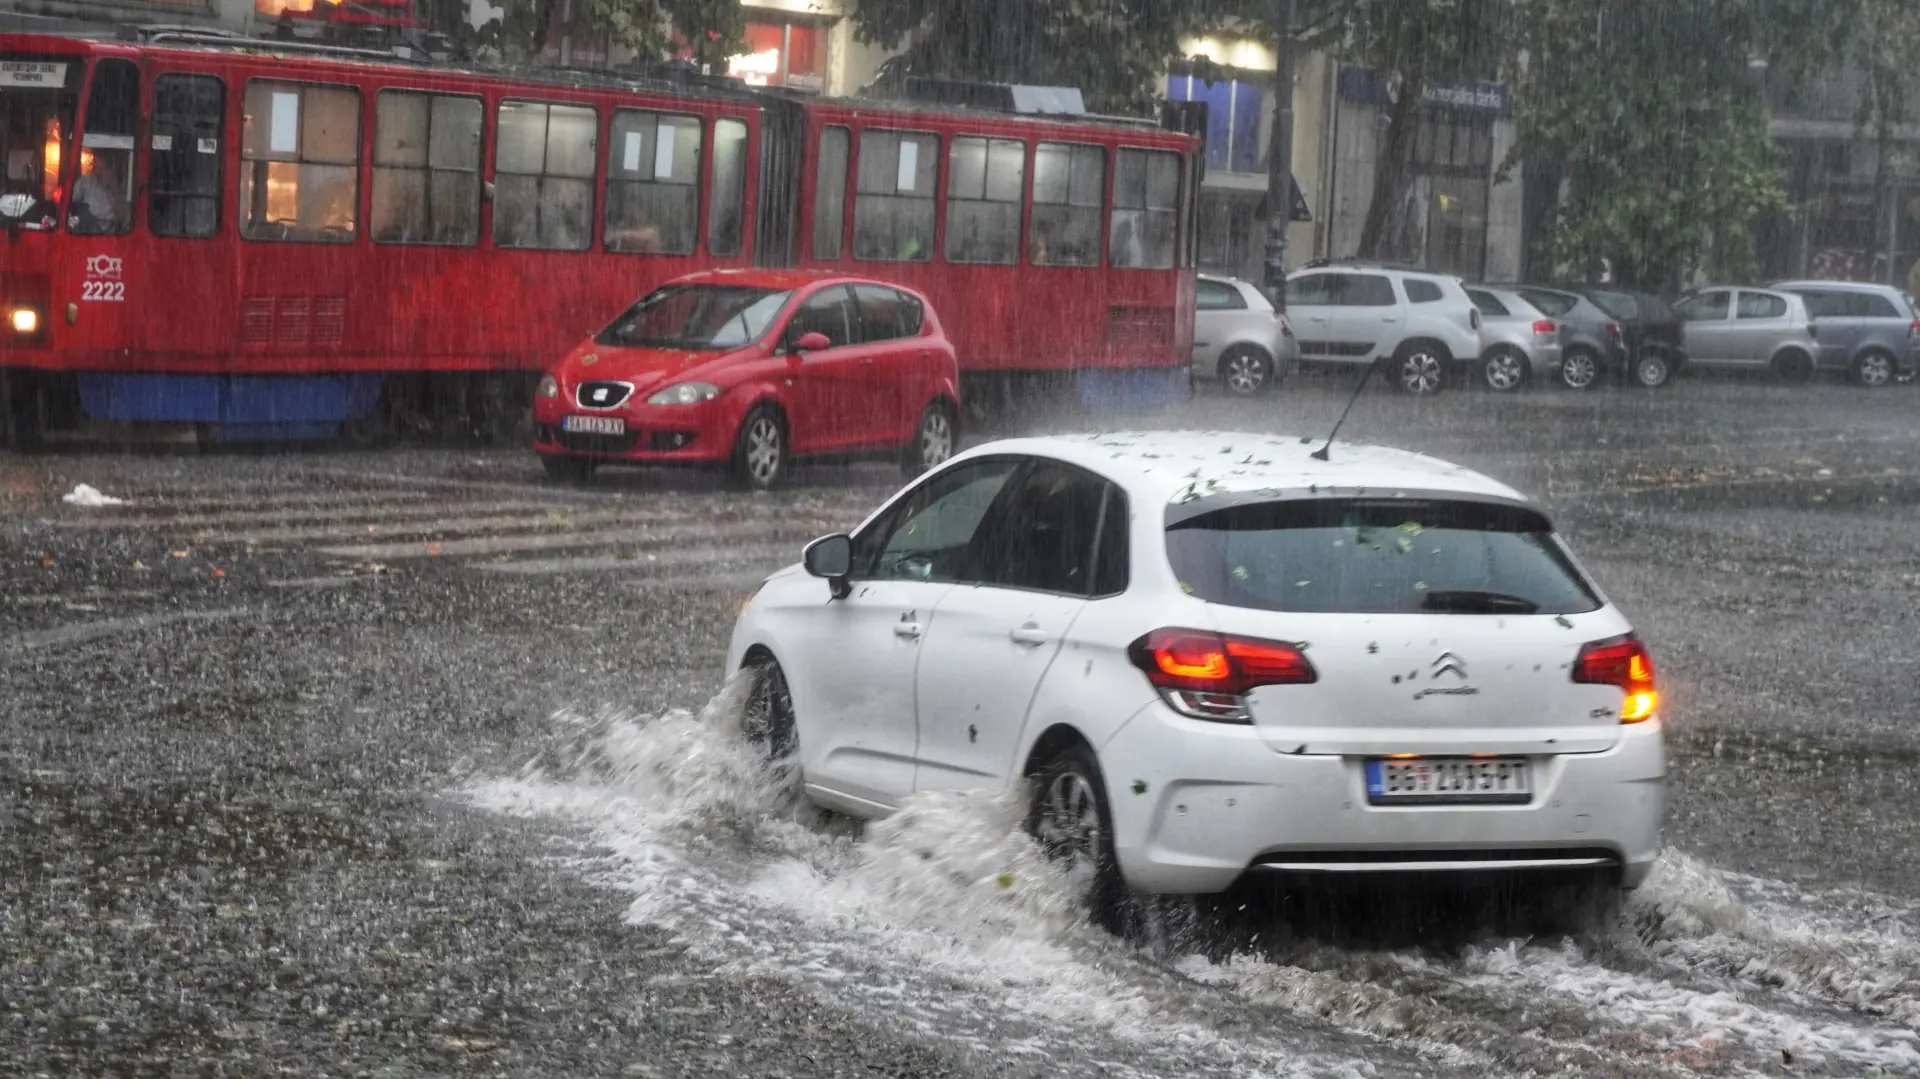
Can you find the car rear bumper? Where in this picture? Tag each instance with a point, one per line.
(1196, 805)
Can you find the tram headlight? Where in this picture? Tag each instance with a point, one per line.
(549, 386)
(24, 320)
(685, 393)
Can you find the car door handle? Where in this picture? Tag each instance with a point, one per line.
(1389, 318)
(907, 631)
(1030, 635)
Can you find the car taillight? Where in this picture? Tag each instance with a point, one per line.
(1473, 317)
(1913, 329)
(1620, 661)
(1207, 675)
(1613, 330)
(1544, 328)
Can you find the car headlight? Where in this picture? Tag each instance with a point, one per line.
(24, 320)
(685, 393)
(549, 386)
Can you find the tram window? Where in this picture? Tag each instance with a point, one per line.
(985, 178)
(893, 201)
(653, 183)
(426, 168)
(725, 212)
(300, 156)
(543, 176)
(1146, 210)
(1069, 186)
(103, 191)
(184, 162)
(830, 193)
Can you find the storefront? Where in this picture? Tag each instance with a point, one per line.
(1845, 220)
(1448, 214)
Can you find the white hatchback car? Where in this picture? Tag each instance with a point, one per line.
(1216, 654)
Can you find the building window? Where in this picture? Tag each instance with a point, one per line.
(830, 193)
(893, 205)
(426, 168)
(1145, 230)
(985, 178)
(183, 193)
(793, 55)
(1069, 188)
(653, 183)
(543, 176)
(1235, 130)
(726, 212)
(300, 157)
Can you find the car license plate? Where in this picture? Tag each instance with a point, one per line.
(1431, 780)
(595, 425)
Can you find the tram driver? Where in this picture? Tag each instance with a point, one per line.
(100, 202)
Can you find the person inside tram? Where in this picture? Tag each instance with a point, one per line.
(638, 233)
(100, 201)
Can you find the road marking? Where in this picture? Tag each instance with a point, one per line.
(361, 510)
(770, 556)
(510, 544)
(110, 627)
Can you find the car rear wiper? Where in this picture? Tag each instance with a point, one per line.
(1476, 602)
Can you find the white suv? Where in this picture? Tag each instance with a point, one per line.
(1215, 654)
(1421, 327)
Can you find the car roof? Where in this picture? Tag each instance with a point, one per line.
(1837, 286)
(1178, 466)
(753, 277)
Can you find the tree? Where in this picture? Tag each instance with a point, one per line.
(1886, 39)
(1411, 46)
(712, 29)
(1112, 50)
(1645, 125)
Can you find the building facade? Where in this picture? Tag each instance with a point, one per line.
(1449, 214)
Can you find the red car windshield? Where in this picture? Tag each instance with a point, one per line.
(697, 317)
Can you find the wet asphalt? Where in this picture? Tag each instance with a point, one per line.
(228, 846)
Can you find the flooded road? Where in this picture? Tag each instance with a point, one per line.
(410, 764)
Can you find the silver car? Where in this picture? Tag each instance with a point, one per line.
(1238, 337)
(1869, 331)
(1751, 328)
(1519, 343)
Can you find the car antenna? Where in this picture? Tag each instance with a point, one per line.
(1321, 453)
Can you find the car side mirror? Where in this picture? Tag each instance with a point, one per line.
(812, 342)
(831, 557)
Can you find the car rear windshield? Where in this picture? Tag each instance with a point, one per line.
(697, 317)
(1377, 556)
(1550, 303)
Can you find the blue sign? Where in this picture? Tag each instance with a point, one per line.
(1359, 84)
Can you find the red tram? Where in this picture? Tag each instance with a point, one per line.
(271, 240)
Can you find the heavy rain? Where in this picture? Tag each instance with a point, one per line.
(948, 538)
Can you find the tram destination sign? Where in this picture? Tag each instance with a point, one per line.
(32, 73)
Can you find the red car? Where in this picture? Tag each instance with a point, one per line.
(751, 369)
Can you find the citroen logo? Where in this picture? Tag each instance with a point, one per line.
(1448, 663)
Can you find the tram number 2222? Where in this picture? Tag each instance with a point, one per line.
(103, 282)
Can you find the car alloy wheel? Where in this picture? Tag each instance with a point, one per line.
(1245, 372)
(768, 718)
(1652, 370)
(1579, 370)
(932, 441)
(1504, 371)
(1873, 369)
(1421, 373)
(1069, 817)
(760, 449)
(1793, 367)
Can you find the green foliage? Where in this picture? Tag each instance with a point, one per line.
(1654, 116)
(714, 29)
(1114, 51)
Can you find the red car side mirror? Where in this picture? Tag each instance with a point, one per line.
(812, 342)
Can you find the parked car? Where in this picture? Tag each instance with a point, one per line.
(1592, 344)
(1654, 336)
(1238, 337)
(1213, 655)
(1518, 342)
(1420, 326)
(1750, 328)
(750, 369)
(1869, 331)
